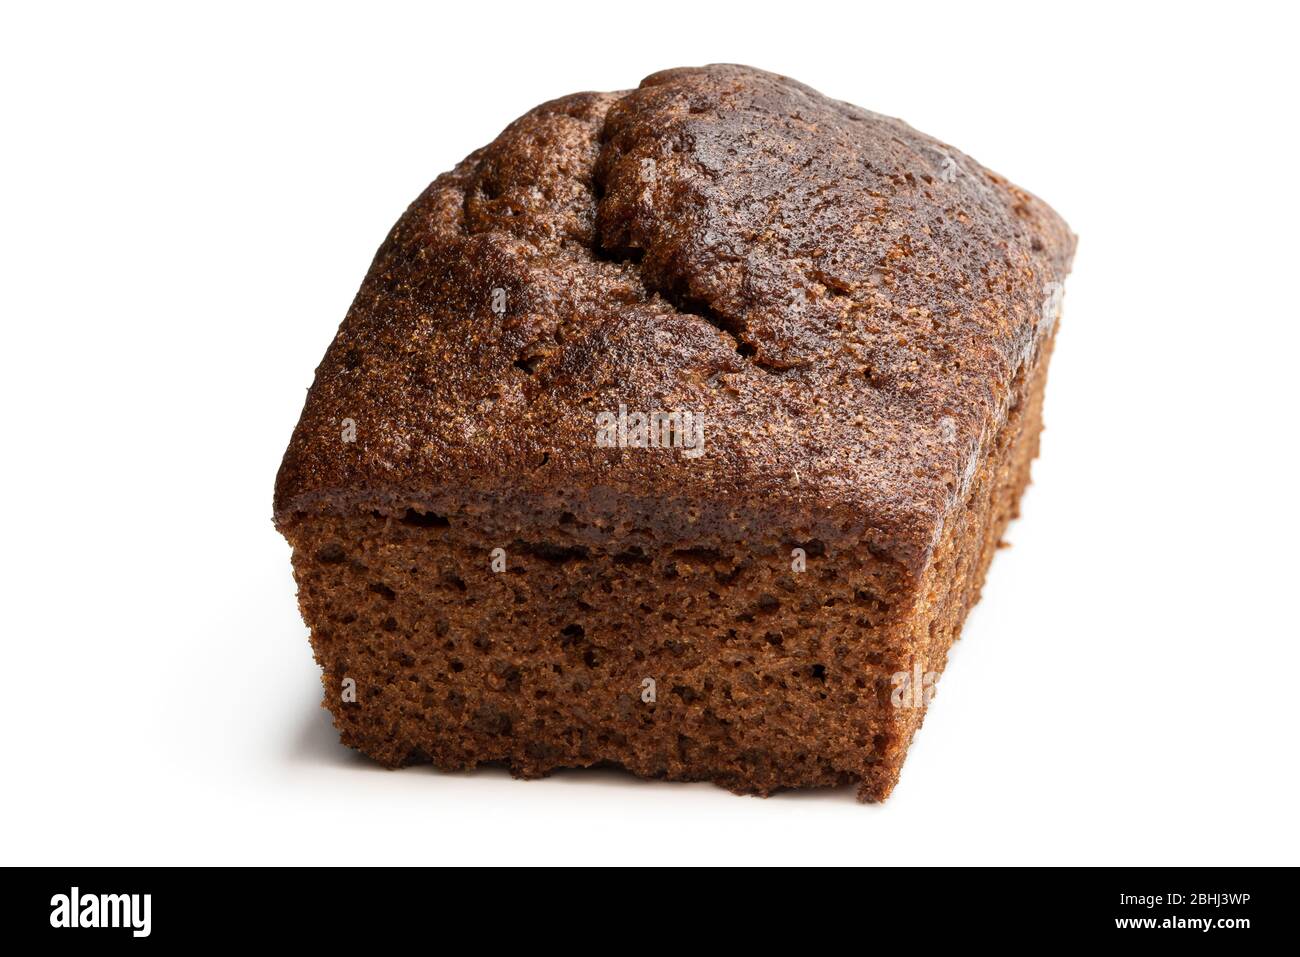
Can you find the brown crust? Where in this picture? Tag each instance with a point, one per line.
(845, 300)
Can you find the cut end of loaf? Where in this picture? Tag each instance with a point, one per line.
(541, 651)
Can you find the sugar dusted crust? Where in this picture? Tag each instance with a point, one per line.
(858, 317)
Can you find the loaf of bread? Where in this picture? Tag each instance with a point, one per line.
(674, 430)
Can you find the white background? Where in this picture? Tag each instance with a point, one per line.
(189, 202)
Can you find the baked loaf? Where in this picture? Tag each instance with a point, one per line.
(673, 430)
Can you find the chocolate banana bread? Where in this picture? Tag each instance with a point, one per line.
(673, 430)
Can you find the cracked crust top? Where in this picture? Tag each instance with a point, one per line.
(844, 301)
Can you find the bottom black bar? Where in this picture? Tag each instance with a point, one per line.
(370, 906)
